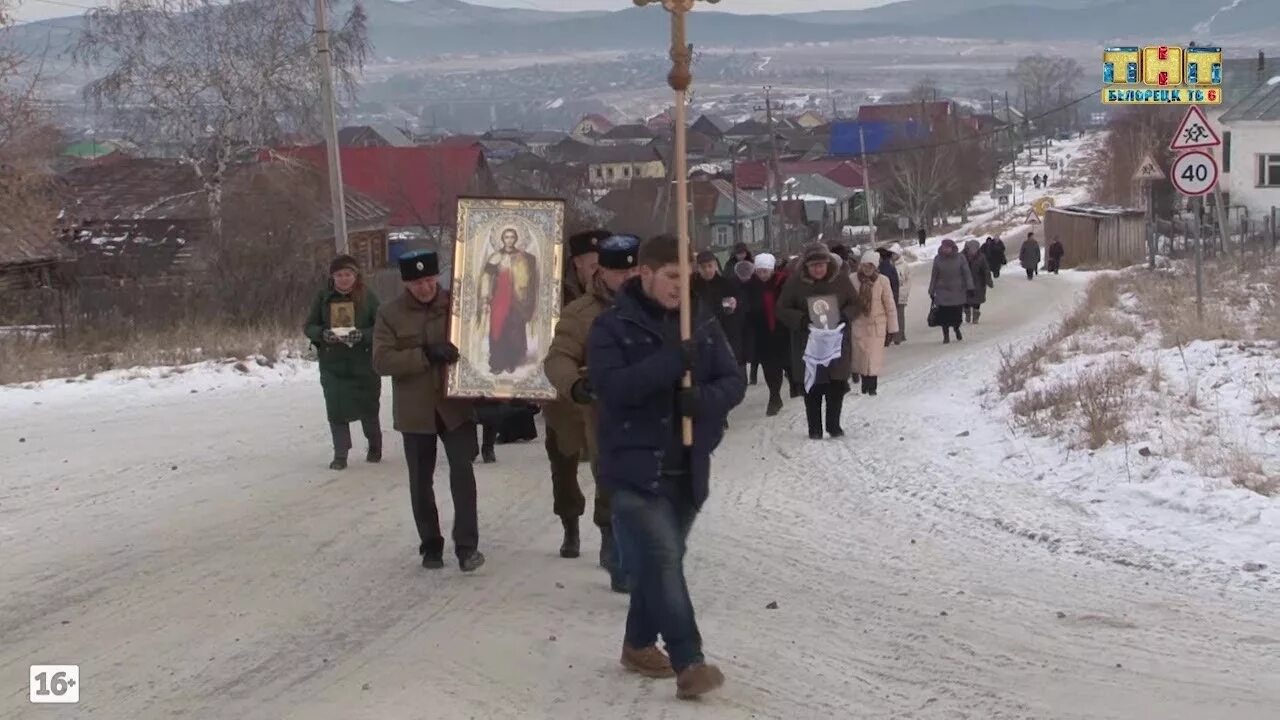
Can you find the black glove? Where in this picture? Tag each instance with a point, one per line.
(689, 353)
(445, 353)
(687, 401)
(330, 337)
(582, 393)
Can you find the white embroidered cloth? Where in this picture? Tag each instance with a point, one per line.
(824, 347)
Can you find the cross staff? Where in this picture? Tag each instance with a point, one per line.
(679, 79)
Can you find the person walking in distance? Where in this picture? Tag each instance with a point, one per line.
(1055, 254)
(980, 271)
(1029, 256)
(921, 236)
(819, 305)
(879, 319)
(888, 270)
(949, 286)
(658, 485)
(566, 367)
(994, 249)
(340, 326)
(903, 266)
(411, 345)
(772, 339)
(565, 435)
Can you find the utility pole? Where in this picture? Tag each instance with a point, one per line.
(737, 223)
(773, 170)
(1013, 169)
(866, 184)
(337, 197)
(995, 148)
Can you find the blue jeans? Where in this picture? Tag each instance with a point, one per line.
(651, 531)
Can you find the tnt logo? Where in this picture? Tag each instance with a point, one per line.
(1162, 66)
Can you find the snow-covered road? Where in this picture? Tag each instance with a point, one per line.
(193, 556)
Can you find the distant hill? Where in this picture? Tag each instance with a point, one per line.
(424, 28)
(1098, 20)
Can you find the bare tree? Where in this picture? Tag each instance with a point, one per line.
(214, 81)
(921, 179)
(28, 143)
(1046, 84)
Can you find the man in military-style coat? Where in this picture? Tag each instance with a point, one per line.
(411, 346)
(566, 367)
(566, 446)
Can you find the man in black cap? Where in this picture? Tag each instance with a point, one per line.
(566, 367)
(584, 256)
(411, 345)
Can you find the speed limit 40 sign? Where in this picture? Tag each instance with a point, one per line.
(1194, 173)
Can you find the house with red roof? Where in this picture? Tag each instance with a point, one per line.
(755, 175)
(936, 114)
(420, 185)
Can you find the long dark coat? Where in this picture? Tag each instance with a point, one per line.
(352, 390)
(1029, 254)
(711, 294)
(771, 342)
(980, 269)
(793, 311)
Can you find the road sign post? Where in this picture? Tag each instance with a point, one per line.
(1194, 173)
(1147, 173)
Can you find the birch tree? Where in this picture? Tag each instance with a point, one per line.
(211, 82)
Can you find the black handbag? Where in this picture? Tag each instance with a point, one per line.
(933, 316)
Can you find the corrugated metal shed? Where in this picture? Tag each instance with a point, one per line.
(1094, 234)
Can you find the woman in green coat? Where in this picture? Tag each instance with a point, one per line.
(341, 327)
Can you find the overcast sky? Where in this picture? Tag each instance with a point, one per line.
(39, 9)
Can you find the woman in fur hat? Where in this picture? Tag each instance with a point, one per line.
(340, 326)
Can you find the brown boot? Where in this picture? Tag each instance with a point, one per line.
(649, 662)
(698, 680)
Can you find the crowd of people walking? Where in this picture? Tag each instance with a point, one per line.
(814, 325)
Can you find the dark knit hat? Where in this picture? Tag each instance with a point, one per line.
(842, 252)
(619, 252)
(419, 264)
(706, 256)
(584, 243)
(343, 262)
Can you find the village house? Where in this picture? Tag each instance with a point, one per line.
(377, 135)
(148, 217)
(1253, 153)
(612, 165)
(809, 120)
(420, 185)
(628, 135)
(591, 126)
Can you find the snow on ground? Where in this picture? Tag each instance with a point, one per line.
(143, 384)
(927, 567)
(1203, 441)
(987, 218)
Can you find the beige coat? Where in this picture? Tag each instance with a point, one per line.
(903, 266)
(872, 326)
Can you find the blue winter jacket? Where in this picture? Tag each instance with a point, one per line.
(635, 373)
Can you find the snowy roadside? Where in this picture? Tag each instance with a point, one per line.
(1069, 185)
(1161, 429)
(152, 383)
